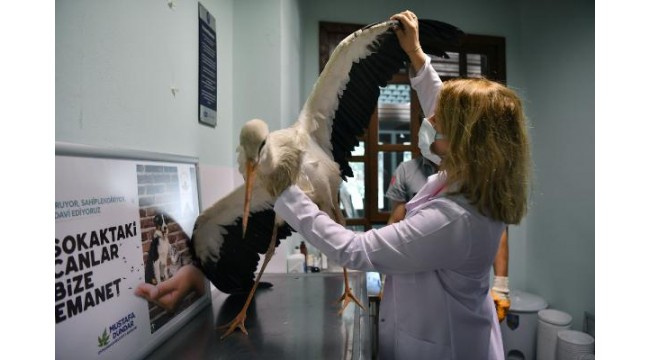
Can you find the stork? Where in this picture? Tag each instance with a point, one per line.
(312, 153)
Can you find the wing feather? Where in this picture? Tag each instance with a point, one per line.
(228, 260)
(319, 109)
(345, 95)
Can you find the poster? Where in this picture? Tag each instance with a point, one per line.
(119, 222)
(207, 67)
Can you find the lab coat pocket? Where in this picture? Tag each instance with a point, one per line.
(409, 347)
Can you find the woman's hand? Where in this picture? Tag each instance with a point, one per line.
(169, 293)
(409, 38)
(407, 35)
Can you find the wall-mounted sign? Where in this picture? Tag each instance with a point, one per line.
(122, 219)
(207, 67)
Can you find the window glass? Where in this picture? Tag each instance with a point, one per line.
(476, 65)
(394, 113)
(357, 228)
(387, 163)
(446, 67)
(352, 192)
(359, 150)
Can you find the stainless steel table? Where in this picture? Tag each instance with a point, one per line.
(295, 319)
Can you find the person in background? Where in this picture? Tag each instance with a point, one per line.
(500, 290)
(437, 261)
(410, 176)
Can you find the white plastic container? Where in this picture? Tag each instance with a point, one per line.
(550, 322)
(573, 345)
(296, 262)
(519, 329)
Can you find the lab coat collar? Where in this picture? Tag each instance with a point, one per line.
(435, 187)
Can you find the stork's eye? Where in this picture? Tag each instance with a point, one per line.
(261, 146)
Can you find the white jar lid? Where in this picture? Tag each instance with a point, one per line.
(554, 317)
(524, 302)
(575, 337)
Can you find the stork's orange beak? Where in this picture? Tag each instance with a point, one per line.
(250, 181)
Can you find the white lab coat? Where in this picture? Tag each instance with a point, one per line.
(436, 302)
(427, 84)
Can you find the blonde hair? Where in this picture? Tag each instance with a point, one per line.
(488, 159)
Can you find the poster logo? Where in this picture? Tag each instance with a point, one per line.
(116, 332)
(103, 339)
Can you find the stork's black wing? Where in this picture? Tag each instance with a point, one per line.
(343, 99)
(228, 260)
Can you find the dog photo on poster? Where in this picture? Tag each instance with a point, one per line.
(165, 244)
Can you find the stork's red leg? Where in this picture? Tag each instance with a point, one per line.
(347, 294)
(238, 321)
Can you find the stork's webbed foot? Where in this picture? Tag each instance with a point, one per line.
(237, 322)
(347, 294)
(346, 298)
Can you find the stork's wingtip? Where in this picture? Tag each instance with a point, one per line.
(388, 23)
(394, 23)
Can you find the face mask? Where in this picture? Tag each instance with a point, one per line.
(426, 136)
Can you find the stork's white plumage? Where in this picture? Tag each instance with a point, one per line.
(312, 152)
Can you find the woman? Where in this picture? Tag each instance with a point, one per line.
(436, 301)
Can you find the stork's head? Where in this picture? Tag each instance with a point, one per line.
(252, 139)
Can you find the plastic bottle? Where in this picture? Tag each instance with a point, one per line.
(303, 250)
(313, 263)
(296, 262)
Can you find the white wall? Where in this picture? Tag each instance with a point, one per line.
(559, 65)
(266, 48)
(116, 62)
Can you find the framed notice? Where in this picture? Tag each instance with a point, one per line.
(123, 218)
(207, 67)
